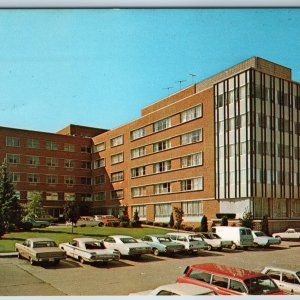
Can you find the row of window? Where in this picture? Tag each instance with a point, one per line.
(193, 184)
(50, 145)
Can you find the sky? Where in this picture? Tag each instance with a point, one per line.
(100, 67)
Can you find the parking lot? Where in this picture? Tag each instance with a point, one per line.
(70, 277)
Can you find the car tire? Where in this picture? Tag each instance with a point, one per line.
(56, 262)
(31, 261)
(209, 248)
(82, 261)
(245, 248)
(19, 255)
(155, 251)
(137, 256)
(278, 237)
(220, 249)
(100, 224)
(233, 246)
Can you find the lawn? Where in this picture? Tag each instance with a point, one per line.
(64, 234)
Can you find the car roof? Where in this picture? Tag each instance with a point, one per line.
(157, 235)
(121, 236)
(227, 271)
(180, 233)
(86, 239)
(287, 268)
(185, 289)
(40, 240)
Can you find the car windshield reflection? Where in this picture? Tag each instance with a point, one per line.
(44, 244)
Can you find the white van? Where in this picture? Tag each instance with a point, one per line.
(190, 244)
(240, 236)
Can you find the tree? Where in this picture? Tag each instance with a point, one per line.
(204, 225)
(136, 220)
(10, 209)
(247, 220)
(224, 221)
(178, 216)
(265, 225)
(34, 207)
(2, 227)
(72, 212)
(171, 222)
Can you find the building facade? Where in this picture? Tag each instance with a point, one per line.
(227, 144)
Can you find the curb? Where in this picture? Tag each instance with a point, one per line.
(8, 254)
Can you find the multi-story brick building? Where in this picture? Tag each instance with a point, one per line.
(227, 144)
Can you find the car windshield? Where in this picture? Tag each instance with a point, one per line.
(198, 236)
(261, 285)
(128, 240)
(191, 238)
(259, 233)
(298, 274)
(94, 245)
(164, 239)
(43, 244)
(207, 236)
(215, 236)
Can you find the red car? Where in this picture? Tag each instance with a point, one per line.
(226, 280)
(105, 219)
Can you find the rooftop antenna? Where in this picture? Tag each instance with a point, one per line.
(192, 75)
(168, 88)
(180, 82)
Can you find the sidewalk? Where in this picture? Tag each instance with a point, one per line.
(8, 254)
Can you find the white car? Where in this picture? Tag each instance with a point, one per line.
(261, 239)
(89, 250)
(213, 240)
(288, 234)
(177, 289)
(126, 245)
(287, 279)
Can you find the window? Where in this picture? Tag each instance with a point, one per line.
(85, 149)
(162, 166)
(117, 194)
(162, 124)
(51, 179)
(191, 114)
(219, 281)
(162, 188)
(69, 147)
(99, 179)
(199, 275)
(69, 163)
(32, 143)
(141, 209)
(274, 274)
(69, 180)
(33, 160)
(99, 147)
(289, 278)
(138, 171)
(13, 158)
(192, 208)
(33, 178)
(117, 176)
(99, 163)
(117, 158)
(12, 141)
(138, 191)
(192, 160)
(138, 152)
(99, 196)
(195, 184)
(51, 145)
(116, 141)
(85, 164)
(138, 133)
(51, 196)
(69, 196)
(237, 286)
(86, 180)
(163, 210)
(191, 137)
(15, 177)
(51, 162)
(85, 197)
(162, 145)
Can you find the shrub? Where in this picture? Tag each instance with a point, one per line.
(82, 225)
(224, 221)
(182, 226)
(188, 228)
(26, 226)
(197, 229)
(165, 225)
(149, 222)
(112, 224)
(171, 222)
(247, 220)
(124, 224)
(204, 226)
(178, 216)
(156, 223)
(265, 225)
(124, 218)
(135, 224)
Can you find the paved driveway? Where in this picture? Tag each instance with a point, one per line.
(126, 276)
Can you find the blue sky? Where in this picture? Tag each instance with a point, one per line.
(100, 67)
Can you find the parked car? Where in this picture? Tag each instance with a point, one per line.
(287, 279)
(40, 250)
(39, 224)
(48, 218)
(85, 220)
(227, 280)
(177, 289)
(289, 234)
(241, 237)
(186, 239)
(263, 240)
(161, 244)
(126, 245)
(213, 240)
(89, 250)
(105, 219)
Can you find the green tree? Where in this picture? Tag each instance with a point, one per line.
(178, 216)
(2, 227)
(224, 221)
(136, 220)
(10, 209)
(72, 212)
(265, 225)
(247, 220)
(34, 207)
(204, 225)
(171, 222)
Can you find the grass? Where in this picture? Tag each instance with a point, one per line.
(64, 234)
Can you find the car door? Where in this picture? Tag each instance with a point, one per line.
(23, 249)
(289, 282)
(74, 249)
